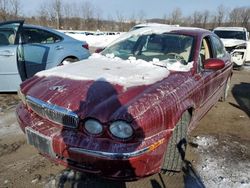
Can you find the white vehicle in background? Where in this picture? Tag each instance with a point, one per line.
(236, 42)
(138, 26)
(96, 39)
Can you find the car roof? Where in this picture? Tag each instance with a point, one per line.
(153, 24)
(138, 26)
(173, 29)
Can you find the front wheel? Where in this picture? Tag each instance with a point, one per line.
(176, 147)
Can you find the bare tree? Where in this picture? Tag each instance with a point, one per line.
(83, 15)
(205, 18)
(57, 8)
(52, 13)
(166, 19)
(121, 20)
(221, 14)
(45, 14)
(15, 8)
(4, 9)
(98, 16)
(87, 13)
(71, 16)
(234, 16)
(197, 19)
(176, 16)
(111, 25)
(245, 16)
(240, 17)
(9, 9)
(141, 16)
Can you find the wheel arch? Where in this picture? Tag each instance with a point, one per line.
(68, 57)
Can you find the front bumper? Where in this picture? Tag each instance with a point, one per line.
(103, 157)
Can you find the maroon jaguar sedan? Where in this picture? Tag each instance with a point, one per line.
(125, 113)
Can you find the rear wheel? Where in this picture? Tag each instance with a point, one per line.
(176, 147)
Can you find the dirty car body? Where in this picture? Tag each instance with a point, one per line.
(114, 114)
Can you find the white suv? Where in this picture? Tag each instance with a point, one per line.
(236, 42)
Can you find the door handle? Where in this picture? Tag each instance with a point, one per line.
(7, 53)
(59, 47)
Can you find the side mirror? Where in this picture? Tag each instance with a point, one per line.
(214, 64)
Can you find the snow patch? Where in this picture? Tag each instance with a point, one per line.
(98, 41)
(126, 73)
(205, 142)
(173, 65)
(220, 171)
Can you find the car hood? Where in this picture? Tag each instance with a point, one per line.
(232, 42)
(100, 95)
(127, 73)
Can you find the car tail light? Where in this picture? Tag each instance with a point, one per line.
(86, 46)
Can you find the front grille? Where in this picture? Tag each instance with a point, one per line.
(53, 112)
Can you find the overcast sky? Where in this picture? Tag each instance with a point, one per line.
(151, 8)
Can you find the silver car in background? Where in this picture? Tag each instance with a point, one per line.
(28, 49)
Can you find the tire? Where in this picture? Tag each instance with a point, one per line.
(226, 90)
(176, 147)
(68, 60)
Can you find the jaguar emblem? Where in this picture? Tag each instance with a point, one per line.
(57, 88)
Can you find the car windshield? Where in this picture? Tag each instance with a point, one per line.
(231, 34)
(166, 46)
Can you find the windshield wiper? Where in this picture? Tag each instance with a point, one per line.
(163, 66)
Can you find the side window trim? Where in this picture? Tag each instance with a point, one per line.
(207, 48)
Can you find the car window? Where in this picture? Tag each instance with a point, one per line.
(7, 36)
(34, 35)
(218, 47)
(241, 35)
(205, 51)
(147, 47)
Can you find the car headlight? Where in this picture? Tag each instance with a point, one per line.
(242, 46)
(121, 129)
(21, 96)
(93, 126)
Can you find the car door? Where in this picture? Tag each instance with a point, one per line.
(9, 75)
(38, 49)
(34, 53)
(211, 80)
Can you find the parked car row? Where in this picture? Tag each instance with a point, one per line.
(125, 113)
(27, 49)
